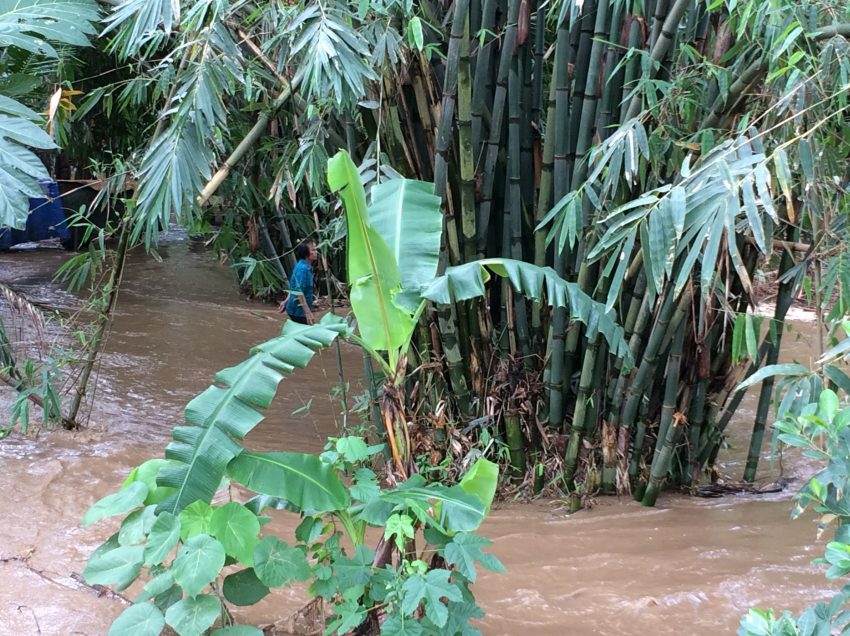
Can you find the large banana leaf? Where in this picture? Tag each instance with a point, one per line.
(373, 273)
(223, 414)
(31, 25)
(467, 281)
(406, 213)
(302, 480)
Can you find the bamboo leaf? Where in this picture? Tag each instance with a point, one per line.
(738, 338)
(772, 370)
(709, 257)
(750, 337)
(836, 375)
(753, 217)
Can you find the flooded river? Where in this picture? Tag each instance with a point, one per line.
(689, 566)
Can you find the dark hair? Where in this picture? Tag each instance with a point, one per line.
(302, 250)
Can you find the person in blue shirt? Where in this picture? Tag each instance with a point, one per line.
(299, 302)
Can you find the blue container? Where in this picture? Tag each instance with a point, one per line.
(46, 219)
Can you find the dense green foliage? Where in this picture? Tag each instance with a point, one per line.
(654, 154)
(179, 540)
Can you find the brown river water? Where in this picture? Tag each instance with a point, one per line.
(688, 566)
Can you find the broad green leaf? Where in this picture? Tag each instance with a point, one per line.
(141, 619)
(136, 526)
(397, 624)
(353, 448)
(277, 563)
(465, 549)
(430, 589)
(772, 370)
(119, 502)
(244, 588)
(163, 537)
(238, 630)
(301, 479)
(406, 214)
(117, 567)
(223, 414)
(195, 519)
(146, 473)
(828, 405)
(467, 281)
(365, 486)
(399, 526)
(355, 570)
(193, 616)
(481, 480)
(198, 562)
(162, 582)
(459, 510)
(373, 273)
(236, 528)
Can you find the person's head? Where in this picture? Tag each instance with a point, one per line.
(306, 251)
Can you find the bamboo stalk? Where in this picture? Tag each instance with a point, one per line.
(783, 303)
(496, 127)
(516, 443)
(661, 49)
(107, 305)
(466, 158)
(257, 131)
(738, 88)
(513, 211)
(579, 428)
(483, 62)
(661, 463)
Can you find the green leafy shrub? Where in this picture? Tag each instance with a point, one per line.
(197, 557)
(822, 430)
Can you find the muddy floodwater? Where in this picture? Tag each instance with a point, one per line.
(689, 566)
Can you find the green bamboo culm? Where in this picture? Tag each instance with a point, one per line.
(783, 303)
(671, 429)
(516, 444)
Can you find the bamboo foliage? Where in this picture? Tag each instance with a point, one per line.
(639, 152)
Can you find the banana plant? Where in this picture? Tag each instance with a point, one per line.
(392, 259)
(179, 541)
